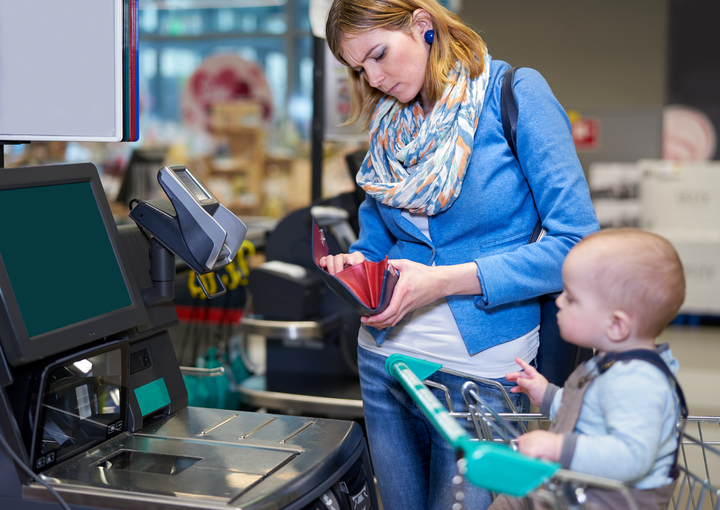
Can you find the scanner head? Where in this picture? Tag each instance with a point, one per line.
(197, 227)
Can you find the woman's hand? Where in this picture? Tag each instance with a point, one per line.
(336, 263)
(420, 285)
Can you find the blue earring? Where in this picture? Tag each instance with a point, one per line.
(429, 36)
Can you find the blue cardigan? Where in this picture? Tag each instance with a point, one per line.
(492, 219)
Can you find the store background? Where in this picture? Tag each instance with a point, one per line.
(626, 63)
(617, 65)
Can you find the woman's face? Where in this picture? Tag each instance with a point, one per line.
(392, 61)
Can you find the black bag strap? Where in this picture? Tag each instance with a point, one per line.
(509, 114)
(508, 110)
(652, 357)
(556, 358)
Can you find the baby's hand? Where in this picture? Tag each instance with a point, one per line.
(541, 444)
(529, 382)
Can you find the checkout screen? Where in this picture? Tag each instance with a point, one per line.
(58, 256)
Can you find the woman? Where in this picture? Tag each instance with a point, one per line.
(453, 209)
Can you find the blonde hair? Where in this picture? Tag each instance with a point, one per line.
(638, 272)
(453, 41)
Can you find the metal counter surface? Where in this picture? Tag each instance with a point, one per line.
(207, 458)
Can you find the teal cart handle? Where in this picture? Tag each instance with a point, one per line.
(492, 466)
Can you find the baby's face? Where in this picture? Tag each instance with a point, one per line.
(583, 316)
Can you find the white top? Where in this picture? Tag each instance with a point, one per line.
(431, 333)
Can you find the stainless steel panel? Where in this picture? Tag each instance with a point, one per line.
(211, 471)
(208, 458)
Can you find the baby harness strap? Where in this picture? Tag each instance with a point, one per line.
(652, 357)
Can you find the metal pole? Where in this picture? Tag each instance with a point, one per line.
(318, 119)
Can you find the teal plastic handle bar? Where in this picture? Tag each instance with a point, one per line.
(492, 466)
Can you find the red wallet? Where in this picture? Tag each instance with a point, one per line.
(367, 287)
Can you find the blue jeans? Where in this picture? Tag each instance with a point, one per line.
(413, 463)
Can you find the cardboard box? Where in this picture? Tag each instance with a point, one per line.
(617, 212)
(699, 252)
(613, 180)
(679, 195)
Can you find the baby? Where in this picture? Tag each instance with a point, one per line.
(616, 415)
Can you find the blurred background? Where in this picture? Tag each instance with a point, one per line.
(244, 94)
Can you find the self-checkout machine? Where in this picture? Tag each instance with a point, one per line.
(93, 408)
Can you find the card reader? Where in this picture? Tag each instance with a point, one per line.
(193, 225)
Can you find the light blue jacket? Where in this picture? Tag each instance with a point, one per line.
(492, 219)
(627, 424)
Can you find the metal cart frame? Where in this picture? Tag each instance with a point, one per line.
(561, 489)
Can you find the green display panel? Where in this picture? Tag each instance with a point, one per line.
(152, 396)
(58, 256)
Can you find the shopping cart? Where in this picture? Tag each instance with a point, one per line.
(490, 459)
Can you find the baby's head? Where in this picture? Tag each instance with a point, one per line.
(619, 284)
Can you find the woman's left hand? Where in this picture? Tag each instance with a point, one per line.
(420, 285)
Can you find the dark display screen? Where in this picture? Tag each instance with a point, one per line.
(58, 256)
(83, 404)
(191, 185)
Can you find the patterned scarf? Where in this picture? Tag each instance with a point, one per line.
(419, 164)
